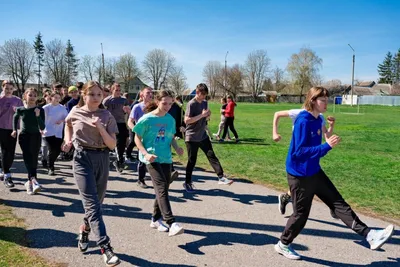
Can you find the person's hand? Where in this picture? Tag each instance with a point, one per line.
(37, 112)
(67, 146)
(331, 120)
(333, 140)
(179, 151)
(14, 134)
(96, 122)
(276, 137)
(59, 122)
(126, 109)
(14, 108)
(205, 113)
(150, 157)
(182, 129)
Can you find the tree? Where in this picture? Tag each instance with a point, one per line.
(110, 70)
(157, 65)
(303, 68)
(55, 62)
(177, 80)
(212, 72)
(234, 80)
(39, 50)
(396, 67)
(334, 87)
(256, 69)
(385, 69)
(16, 60)
(71, 62)
(278, 78)
(88, 67)
(126, 68)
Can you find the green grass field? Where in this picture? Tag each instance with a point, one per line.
(364, 166)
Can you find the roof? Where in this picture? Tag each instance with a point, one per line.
(366, 84)
(189, 92)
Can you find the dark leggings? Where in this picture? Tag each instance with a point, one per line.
(54, 145)
(229, 123)
(8, 144)
(30, 145)
(121, 141)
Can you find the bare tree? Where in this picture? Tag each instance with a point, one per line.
(303, 68)
(212, 72)
(126, 69)
(88, 67)
(234, 80)
(55, 63)
(16, 60)
(278, 79)
(256, 69)
(177, 80)
(334, 87)
(157, 65)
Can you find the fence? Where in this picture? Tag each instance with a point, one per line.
(379, 100)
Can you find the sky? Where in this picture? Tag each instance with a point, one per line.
(195, 31)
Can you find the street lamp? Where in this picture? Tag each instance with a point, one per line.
(225, 72)
(352, 75)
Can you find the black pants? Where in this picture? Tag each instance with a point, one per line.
(30, 145)
(7, 144)
(54, 145)
(192, 149)
(141, 169)
(121, 141)
(303, 190)
(160, 174)
(131, 144)
(229, 123)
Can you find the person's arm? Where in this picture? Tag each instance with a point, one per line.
(190, 120)
(40, 117)
(15, 123)
(67, 134)
(301, 149)
(328, 132)
(279, 114)
(138, 141)
(131, 120)
(108, 138)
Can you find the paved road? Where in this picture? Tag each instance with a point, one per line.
(233, 225)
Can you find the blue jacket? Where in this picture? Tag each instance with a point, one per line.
(305, 147)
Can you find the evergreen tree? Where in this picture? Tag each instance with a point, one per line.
(385, 69)
(396, 67)
(39, 50)
(72, 63)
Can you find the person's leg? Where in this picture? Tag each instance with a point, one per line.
(141, 168)
(207, 148)
(53, 150)
(45, 153)
(131, 145)
(84, 173)
(226, 125)
(302, 190)
(121, 142)
(232, 128)
(192, 149)
(160, 175)
(328, 193)
(8, 144)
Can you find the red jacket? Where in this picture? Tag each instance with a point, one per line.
(230, 109)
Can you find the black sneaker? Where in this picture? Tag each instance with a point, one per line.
(283, 200)
(142, 184)
(8, 181)
(109, 257)
(83, 242)
(44, 164)
(334, 216)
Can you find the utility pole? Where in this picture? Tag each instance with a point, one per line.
(352, 75)
(225, 73)
(102, 61)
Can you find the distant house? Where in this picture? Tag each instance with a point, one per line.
(373, 89)
(133, 87)
(366, 84)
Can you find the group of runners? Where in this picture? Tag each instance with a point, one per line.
(86, 120)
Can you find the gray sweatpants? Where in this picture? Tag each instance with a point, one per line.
(91, 170)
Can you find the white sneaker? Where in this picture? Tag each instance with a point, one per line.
(287, 251)
(159, 225)
(36, 187)
(376, 238)
(225, 181)
(29, 189)
(175, 229)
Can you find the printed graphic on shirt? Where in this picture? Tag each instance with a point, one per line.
(161, 135)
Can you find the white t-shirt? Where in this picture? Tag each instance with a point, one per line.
(293, 113)
(52, 115)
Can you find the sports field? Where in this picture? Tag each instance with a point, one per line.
(365, 167)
